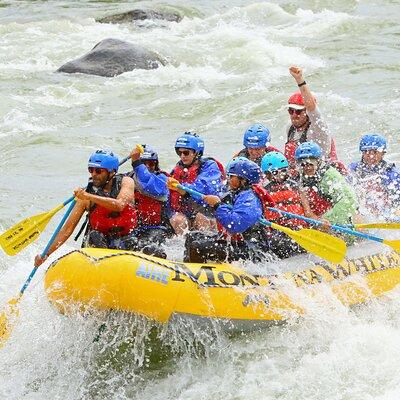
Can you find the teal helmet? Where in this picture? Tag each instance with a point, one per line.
(273, 161)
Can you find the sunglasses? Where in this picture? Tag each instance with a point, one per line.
(97, 171)
(307, 163)
(294, 111)
(183, 152)
(278, 171)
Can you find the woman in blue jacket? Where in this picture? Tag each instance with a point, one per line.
(241, 235)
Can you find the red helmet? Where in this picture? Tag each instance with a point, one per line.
(296, 101)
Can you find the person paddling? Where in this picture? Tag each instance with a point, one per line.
(256, 142)
(330, 197)
(288, 196)
(306, 123)
(377, 181)
(203, 174)
(151, 199)
(238, 213)
(109, 201)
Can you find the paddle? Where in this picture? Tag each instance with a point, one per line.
(321, 244)
(27, 231)
(376, 225)
(394, 244)
(11, 311)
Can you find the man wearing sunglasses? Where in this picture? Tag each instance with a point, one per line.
(109, 201)
(306, 123)
(151, 198)
(376, 180)
(203, 174)
(330, 196)
(256, 142)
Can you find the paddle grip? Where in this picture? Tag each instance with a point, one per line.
(124, 160)
(334, 227)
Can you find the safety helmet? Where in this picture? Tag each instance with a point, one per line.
(296, 101)
(234, 159)
(373, 141)
(246, 169)
(104, 159)
(190, 141)
(148, 154)
(256, 135)
(308, 150)
(273, 161)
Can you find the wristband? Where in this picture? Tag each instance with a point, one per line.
(302, 84)
(215, 206)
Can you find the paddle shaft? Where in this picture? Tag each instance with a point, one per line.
(50, 242)
(192, 192)
(334, 227)
(197, 194)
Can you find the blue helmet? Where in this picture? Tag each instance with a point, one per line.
(190, 141)
(373, 141)
(149, 153)
(308, 150)
(273, 161)
(256, 135)
(246, 169)
(234, 159)
(104, 159)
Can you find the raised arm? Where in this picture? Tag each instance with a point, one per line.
(309, 100)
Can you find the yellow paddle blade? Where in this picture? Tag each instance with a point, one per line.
(328, 247)
(378, 225)
(394, 244)
(7, 319)
(25, 232)
(140, 148)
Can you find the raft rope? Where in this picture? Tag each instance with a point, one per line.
(175, 268)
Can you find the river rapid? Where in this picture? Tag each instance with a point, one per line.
(227, 68)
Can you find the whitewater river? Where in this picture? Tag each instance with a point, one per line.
(227, 68)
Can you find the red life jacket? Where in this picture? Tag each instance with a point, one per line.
(291, 146)
(319, 205)
(264, 196)
(286, 199)
(189, 174)
(116, 223)
(150, 210)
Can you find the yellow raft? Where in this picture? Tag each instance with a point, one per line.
(165, 290)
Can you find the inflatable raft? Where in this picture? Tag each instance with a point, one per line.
(165, 290)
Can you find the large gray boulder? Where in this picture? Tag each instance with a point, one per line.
(112, 57)
(138, 14)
